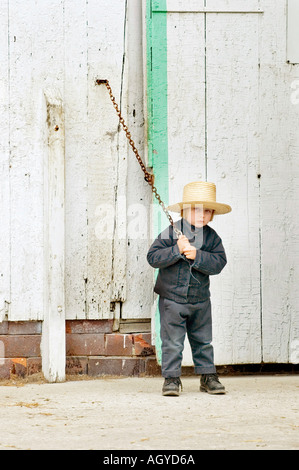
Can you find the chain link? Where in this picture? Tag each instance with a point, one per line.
(149, 178)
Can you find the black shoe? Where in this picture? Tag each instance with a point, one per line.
(210, 383)
(171, 386)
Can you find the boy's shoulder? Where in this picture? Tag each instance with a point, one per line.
(212, 232)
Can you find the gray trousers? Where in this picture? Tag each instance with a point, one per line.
(177, 320)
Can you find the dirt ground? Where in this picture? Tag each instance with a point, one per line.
(258, 412)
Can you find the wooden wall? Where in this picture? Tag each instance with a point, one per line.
(59, 48)
(232, 118)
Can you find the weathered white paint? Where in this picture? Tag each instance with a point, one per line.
(186, 110)
(293, 31)
(92, 163)
(211, 6)
(186, 97)
(105, 58)
(212, 103)
(279, 150)
(139, 297)
(248, 88)
(67, 47)
(76, 157)
(4, 167)
(233, 164)
(53, 334)
(26, 62)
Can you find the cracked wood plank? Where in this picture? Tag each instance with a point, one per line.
(279, 150)
(105, 60)
(76, 158)
(36, 62)
(233, 164)
(4, 167)
(53, 337)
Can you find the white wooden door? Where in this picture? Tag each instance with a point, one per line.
(218, 79)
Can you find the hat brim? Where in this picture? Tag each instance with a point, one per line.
(218, 207)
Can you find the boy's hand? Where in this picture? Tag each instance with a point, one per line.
(185, 248)
(190, 252)
(183, 243)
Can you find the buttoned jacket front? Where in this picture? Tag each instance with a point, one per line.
(180, 279)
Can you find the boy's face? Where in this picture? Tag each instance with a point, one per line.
(198, 216)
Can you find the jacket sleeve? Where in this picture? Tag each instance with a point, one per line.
(211, 262)
(164, 252)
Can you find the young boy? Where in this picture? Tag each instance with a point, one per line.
(185, 264)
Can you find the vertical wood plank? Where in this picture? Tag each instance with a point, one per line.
(292, 31)
(119, 261)
(186, 101)
(279, 150)
(76, 157)
(96, 161)
(139, 274)
(4, 165)
(36, 62)
(186, 108)
(26, 168)
(232, 148)
(53, 337)
(105, 60)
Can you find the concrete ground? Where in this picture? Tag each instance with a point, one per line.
(258, 412)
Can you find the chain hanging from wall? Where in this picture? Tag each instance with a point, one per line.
(149, 178)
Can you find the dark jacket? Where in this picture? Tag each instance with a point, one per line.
(180, 279)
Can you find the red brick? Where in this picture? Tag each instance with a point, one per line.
(152, 368)
(128, 367)
(89, 326)
(19, 366)
(145, 336)
(141, 346)
(119, 344)
(85, 344)
(16, 366)
(34, 365)
(4, 328)
(24, 327)
(21, 345)
(5, 368)
(76, 365)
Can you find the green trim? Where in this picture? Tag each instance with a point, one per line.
(156, 38)
(157, 95)
(149, 77)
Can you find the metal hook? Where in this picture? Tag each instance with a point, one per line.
(100, 81)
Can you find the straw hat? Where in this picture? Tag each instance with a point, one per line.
(200, 192)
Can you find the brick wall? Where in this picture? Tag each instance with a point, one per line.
(20, 348)
(92, 348)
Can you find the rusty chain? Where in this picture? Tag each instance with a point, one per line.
(149, 178)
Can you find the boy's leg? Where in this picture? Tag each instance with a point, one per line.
(199, 330)
(173, 332)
